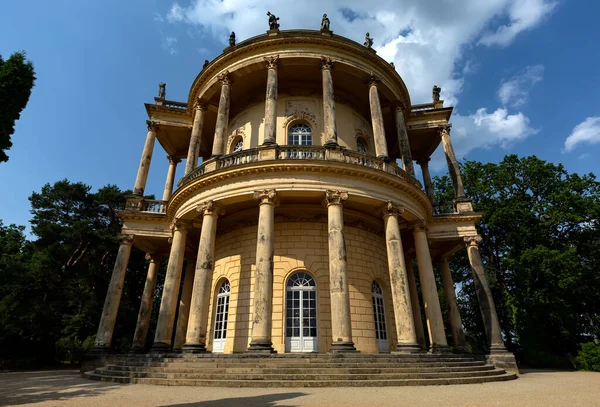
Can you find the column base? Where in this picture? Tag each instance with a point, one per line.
(261, 347)
(269, 143)
(135, 349)
(384, 158)
(498, 349)
(331, 144)
(460, 349)
(439, 349)
(407, 348)
(160, 347)
(194, 348)
(505, 360)
(342, 347)
(100, 351)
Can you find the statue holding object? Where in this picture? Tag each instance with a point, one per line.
(368, 41)
(325, 23)
(273, 24)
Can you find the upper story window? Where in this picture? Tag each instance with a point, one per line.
(300, 135)
(238, 146)
(361, 146)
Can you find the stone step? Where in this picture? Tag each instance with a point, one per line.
(304, 383)
(255, 370)
(313, 360)
(296, 377)
(304, 365)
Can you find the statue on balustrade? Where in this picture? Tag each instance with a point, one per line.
(273, 24)
(368, 41)
(435, 94)
(325, 23)
(232, 39)
(162, 90)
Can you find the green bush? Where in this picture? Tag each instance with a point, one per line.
(589, 357)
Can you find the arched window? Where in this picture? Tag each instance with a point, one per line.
(361, 146)
(301, 314)
(300, 135)
(379, 317)
(221, 316)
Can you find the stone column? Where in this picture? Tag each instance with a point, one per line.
(193, 150)
(341, 325)
(328, 103)
(113, 296)
(195, 339)
(170, 177)
(222, 115)
(271, 101)
(405, 328)
(484, 296)
(381, 150)
(453, 168)
(427, 179)
(403, 142)
(142, 175)
(143, 320)
(414, 302)
(168, 304)
(433, 311)
(458, 335)
(263, 281)
(184, 305)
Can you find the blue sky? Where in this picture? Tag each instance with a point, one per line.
(522, 74)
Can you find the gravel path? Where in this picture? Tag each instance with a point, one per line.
(533, 388)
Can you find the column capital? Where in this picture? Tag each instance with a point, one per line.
(154, 257)
(391, 209)
(419, 225)
(199, 105)
(224, 78)
(400, 106)
(267, 197)
(326, 63)
(444, 129)
(152, 125)
(126, 239)
(272, 62)
(373, 80)
(179, 225)
(335, 197)
(210, 208)
(472, 241)
(424, 161)
(173, 160)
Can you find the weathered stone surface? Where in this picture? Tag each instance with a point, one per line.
(192, 158)
(143, 321)
(184, 305)
(170, 177)
(330, 126)
(381, 150)
(453, 312)
(271, 100)
(222, 115)
(142, 175)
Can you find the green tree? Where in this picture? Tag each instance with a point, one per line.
(541, 244)
(17, 78)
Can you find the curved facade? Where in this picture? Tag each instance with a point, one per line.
(299, 229)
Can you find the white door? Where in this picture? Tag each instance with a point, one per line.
(221, 314)
(379, 316)
(301, 314)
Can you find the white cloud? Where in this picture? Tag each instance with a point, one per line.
(515, 91)
(168, 44)
(587, 131)
(523, 15)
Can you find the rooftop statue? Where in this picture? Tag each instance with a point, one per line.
(325, 23)
(273, 24)
(162, 90)
(205, 64)
(368, 41)
(232, 39)
(435, 94)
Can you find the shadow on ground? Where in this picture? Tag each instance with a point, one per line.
(21, 388)
(268, 400)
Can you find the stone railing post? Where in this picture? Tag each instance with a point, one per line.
(263, 281)
(113, 295)
(381, 150)
(433, 311)
(458, 335)
(404, 144)
(168, 304)
(328, 103)
(143, 320)
(142, 175)
(195, 339)
(403, 315)
(194, 149)
(170, 177)
(222, 115)
(341, 325)
(271, 100)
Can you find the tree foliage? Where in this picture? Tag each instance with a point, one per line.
(52, 288)
(541, 249)
(17, 78)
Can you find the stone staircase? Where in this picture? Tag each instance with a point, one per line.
(299, 370)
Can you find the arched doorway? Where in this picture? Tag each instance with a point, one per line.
(379, 317)
(221, 314)
(301, 314)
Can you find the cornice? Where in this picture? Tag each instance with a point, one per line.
(457, 217)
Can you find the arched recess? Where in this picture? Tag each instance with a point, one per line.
(301, 322)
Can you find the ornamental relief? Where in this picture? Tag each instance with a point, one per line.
(300, 110)
(237, 128)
